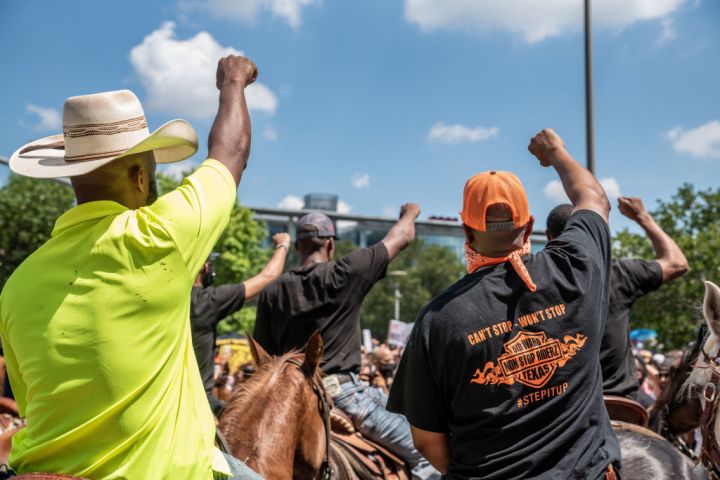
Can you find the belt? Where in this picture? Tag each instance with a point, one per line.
(343, 377)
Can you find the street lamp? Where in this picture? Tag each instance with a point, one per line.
(398, 295)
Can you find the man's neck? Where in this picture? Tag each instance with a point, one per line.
(310, 260)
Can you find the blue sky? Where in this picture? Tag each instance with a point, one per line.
(387, 101)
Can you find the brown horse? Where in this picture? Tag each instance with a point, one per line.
(273, 422)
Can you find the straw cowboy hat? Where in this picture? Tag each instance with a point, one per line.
(98, 129)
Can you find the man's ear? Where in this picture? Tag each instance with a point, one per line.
(529, 228)
(548, 236)
(331, 248)
(139, 176)
(259, 354)
(469, 234)
(313, 352)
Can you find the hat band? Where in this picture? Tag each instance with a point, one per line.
(95, 156)
(113, 128)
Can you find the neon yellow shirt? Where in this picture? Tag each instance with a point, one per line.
(96, 333)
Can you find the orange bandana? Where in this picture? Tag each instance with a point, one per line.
(477, 260)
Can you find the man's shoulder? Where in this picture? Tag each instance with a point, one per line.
(453, 302)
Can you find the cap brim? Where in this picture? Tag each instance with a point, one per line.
(172, 142)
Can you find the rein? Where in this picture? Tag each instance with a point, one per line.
(710, 453)
(324, 404)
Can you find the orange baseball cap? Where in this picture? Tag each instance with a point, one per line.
(490, 188)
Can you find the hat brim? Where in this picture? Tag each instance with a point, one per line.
(172, 142)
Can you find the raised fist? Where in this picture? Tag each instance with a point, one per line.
(632, 208)
(544, 145)
(235, 69)
(281, 239)
(410, 209)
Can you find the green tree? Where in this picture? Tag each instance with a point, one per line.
(241, 255)
(28, 210)
(430, 270)
(692, 219)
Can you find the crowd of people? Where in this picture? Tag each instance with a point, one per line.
(503, 375)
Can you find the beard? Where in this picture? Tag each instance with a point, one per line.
(152, 193)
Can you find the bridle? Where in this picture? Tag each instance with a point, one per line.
(710, 453)
(324, 404)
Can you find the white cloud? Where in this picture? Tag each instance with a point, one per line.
(699, 142)
(361, 180)
(555, 191)
(179, 75)
(248, 11)
(343, 207)
(269, 133)
(291, 202)
(457, 133)
(611, 187)
(532, 19)
(668, 32)
(48, 118)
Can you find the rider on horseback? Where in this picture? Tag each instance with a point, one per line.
(501, 376)
(326, 295)
(210, 304)
(95, 322)
(631, 278)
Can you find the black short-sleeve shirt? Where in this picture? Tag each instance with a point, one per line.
(325, 297)
(631, 279)
(514, 376)
(207, 307)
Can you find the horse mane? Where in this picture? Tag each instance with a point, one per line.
(258, 380)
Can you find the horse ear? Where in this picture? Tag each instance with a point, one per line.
(314, 352)
(259, 354)
(711, 307)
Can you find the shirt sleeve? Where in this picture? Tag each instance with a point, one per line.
(635, 277)
(366, 266)
(196, 213)
(415, 391)
(586, 234)
(263, 330)
(228, 299)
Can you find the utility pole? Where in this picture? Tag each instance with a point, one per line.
(589, 136)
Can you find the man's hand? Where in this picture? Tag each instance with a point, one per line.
(235, 70)
(544, 145)
(632, 208)
(410, 209)
(281, 239)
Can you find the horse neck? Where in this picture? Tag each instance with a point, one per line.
(264, 421)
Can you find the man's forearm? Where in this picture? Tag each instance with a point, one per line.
(400, 235)
(230, 135)
(272, 270)
(581, 186)
(667, 252)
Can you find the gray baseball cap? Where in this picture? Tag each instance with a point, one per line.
(324, 227)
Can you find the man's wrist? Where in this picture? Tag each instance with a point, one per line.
(645, 219)
(283, 245)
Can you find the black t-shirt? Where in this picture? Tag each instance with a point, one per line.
(325, 297)
(207, 307)
(631, 279)
(514, 376)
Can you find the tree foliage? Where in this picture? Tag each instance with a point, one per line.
(28, 210)
(430, 270)
(692, 219)
(241, 256)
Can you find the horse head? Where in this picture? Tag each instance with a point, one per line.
(274, 421)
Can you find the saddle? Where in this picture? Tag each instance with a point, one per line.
(626, 410)
(371, 459)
